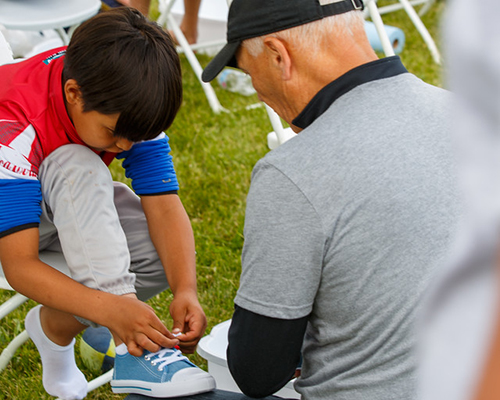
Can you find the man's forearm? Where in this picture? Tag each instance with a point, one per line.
(263, 352)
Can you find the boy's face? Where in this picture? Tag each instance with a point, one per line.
(96, 130)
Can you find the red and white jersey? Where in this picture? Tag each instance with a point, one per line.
(33, 117)
(34, 122)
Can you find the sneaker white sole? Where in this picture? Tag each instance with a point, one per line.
(203, 384)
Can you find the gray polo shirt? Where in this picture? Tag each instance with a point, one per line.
(348, 222)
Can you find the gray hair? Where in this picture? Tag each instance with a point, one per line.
(308, 37)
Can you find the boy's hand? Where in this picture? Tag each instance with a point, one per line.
(137, 325)
(189, 320)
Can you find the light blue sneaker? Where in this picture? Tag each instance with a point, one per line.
(166, 373)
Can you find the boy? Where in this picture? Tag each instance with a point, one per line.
(64, 116)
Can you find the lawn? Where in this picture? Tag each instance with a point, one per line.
(214, 156)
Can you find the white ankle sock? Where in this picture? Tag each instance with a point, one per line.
(61, 376)
(121, 349)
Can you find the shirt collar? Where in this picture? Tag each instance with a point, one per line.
(378, 69)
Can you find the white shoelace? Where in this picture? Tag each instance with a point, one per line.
(164, 357)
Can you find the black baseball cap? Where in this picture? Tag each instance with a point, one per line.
(252, 18)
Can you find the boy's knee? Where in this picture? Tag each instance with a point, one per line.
(74, 172)
(75, 163)
(77, 155)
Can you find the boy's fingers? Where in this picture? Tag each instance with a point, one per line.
(189, 341)
(189, 347)
(178, 326)
(189, 336)
(163, 340)
(196, 331)
(154, 341)
(152, 347)
(159, 326)
(134, 349)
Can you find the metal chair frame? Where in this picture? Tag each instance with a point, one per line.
(57, 261)
(39, 15)
(166, 19)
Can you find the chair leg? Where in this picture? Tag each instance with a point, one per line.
(407, 5)
(195, 65)
(426, 7)
(63, 35)
(429, 41)
(398, 6)
(374, 14)
(11, 304)
(22, 338)
(100, 380)
(11, 349)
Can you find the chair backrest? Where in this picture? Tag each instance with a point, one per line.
(166, 18)
(5, 51)
(45, 14)
(39, 15)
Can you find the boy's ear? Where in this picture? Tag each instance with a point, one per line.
(72, 92)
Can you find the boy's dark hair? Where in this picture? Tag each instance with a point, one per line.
(126, 64)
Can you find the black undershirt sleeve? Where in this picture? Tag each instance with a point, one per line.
(263, 352)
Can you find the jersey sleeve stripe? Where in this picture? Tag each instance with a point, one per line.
(20, 204)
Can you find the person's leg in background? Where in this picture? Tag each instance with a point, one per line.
(141, 5)
(189, 23)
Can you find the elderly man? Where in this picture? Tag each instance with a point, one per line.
(345, 223)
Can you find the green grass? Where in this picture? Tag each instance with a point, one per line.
(214, 156)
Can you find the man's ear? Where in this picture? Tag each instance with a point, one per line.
(279, 55)
(72, 92)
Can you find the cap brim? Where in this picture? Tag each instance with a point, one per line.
(225, 57)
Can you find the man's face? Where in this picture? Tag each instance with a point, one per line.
(264, 78)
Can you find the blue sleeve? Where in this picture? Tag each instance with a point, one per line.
(20, 205)
(149, 165)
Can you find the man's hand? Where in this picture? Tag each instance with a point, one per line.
(189, 320)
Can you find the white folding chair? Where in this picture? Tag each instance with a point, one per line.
(280, 134)
(39, 15)
(167, 19)
(5, 51)
(425, 6)
(6, 308)
(57, 261)
(408, 6)
(213, 348)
